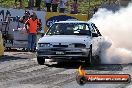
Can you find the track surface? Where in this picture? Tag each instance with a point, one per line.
(20, 70)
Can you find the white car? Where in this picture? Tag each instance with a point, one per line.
(70, 40)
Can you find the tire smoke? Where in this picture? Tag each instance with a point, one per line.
(117, 30)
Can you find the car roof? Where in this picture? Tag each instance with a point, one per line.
(75, 22)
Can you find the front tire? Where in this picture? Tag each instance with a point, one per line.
(92, 60)
(41, 60)
(88, 59)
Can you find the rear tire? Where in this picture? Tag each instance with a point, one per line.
(96, 60)
(41, 60)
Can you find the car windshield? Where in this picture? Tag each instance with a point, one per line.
(69, 29)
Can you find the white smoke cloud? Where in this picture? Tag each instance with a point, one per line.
(117, 27)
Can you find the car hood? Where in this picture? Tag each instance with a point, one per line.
(64, 39)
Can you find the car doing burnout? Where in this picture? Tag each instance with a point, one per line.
(70, 40)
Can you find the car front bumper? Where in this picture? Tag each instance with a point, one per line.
(63, 52)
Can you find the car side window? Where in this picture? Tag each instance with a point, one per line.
(95, 29)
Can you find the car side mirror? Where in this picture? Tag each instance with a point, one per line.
(94, 35)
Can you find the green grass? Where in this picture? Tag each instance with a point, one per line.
(84, 5)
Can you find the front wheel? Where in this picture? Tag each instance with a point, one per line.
(92, 60)
(41, 60)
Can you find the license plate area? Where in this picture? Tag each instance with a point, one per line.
(60, 53)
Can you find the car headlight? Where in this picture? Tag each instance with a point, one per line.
(85, 50)
(44, 44)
